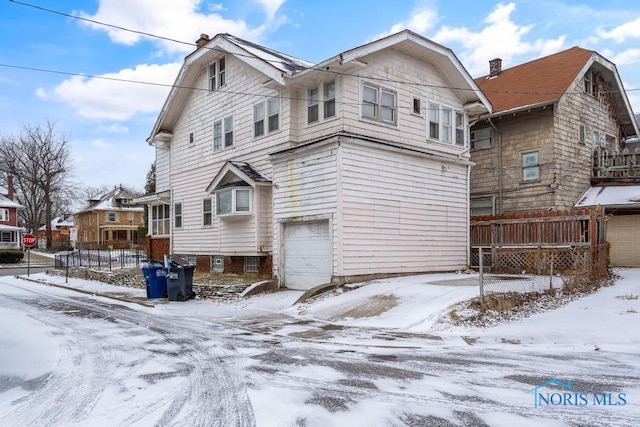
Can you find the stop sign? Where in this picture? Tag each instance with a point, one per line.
(29, 240)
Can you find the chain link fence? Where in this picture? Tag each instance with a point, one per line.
(504, 270)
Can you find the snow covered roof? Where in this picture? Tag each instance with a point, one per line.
(118, 199)
(59, 222)
(6, 202)
(611, 195)
(286, 63)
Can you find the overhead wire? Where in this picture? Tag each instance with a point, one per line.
(317, 68)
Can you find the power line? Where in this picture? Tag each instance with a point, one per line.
(335, 72)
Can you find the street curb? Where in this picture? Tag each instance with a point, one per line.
(116, 297)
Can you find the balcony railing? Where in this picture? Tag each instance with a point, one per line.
(616, 166)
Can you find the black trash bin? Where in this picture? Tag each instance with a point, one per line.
(180, 280)
(155, 277)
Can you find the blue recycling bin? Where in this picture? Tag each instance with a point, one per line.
(156, 278)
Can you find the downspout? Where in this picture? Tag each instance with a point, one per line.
(468, 215)
(499, 165)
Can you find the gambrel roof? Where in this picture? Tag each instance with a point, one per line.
(544, 81)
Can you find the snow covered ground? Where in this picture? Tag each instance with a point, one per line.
(376, 355)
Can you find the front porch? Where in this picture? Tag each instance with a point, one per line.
(11, 237)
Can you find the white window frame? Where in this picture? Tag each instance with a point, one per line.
(7, 237)
(329, 99)
(251, 264)
(160, 218)
(379, 104)
(115, 217)
(217, 263)
(596, 140)
(207, 212)
(233, 202)
(266, 116)
(313, 104)
(177, 215)
(609, 140)
(446, 125)
(4, 214)
(321, 95)
(217, 74)
(223, 133)
(529, 166)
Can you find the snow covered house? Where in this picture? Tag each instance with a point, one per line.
(60, 232)
(109, 220)
(10, 232)
(352, 168)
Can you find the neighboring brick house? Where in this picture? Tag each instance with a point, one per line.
(351, 168)
(60, 233)
(535, 150)
(10, 232)
(110, 220)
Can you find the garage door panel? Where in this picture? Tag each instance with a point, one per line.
(306, 255)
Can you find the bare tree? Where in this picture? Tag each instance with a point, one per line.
(39, 160)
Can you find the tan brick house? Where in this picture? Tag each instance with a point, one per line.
(535, 150)
(110, 220)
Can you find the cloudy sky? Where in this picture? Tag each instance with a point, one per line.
(104, 86)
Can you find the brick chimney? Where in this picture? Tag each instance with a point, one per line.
(495, 67)
(10, 187)
(203, 40)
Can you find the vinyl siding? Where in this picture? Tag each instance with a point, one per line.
(401, 213)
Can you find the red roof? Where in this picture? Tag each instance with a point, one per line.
(539, 81)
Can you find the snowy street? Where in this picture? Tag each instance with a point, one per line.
(69, 358)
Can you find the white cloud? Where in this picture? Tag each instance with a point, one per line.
(270, 7)
(99, 98)
(499, 38)
(623, 32)
(114, 128)
(100, 143)
(421, 20)
(626, 57)
(175, 19)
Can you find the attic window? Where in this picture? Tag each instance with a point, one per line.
(590, 84)
(379, 104)
(416, 106)
(217, 74)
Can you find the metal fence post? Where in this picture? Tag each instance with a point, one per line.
(481, 276)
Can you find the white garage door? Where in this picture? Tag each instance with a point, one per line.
(623, 232)
(306, 255)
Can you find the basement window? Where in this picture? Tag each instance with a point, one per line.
(251, 264)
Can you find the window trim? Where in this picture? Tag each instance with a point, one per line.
(177, 215)
(473, 140)
(313, 104)
(265, 106)
(207, 214)
(215, 258)
(249, 267)
(234, 196)
(378, 105)
(609, 141)
(224, 132)
(115, 217)
(531, 167)
(4, 214)
(491, 199)
(217, 78)
(157, 220)
(595, 141)
(416, 109)
(436, 115)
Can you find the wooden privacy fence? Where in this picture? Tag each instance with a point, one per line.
(539, 242)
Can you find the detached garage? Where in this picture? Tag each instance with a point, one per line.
(621, 203)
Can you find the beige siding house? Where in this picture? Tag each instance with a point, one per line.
(352, 168)
(535, 151)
